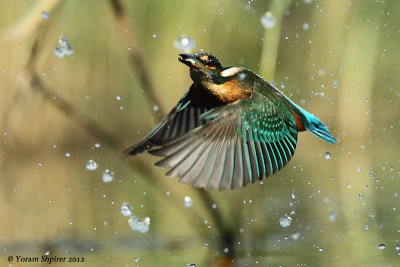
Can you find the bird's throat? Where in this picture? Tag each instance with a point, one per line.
(229, 91)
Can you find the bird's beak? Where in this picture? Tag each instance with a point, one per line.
(194, 63)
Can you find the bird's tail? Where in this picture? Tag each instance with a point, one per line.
(316, 127)
(310, 122)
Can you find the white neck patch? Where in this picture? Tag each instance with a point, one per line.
(230, 72)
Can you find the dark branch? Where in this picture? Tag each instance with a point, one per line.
(136, 59)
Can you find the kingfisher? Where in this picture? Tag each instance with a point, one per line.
(231, 128)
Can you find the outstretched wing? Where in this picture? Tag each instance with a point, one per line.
(243, 142)
(185, 116)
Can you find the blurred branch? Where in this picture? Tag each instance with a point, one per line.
(109, 139)
(68, 109)
(269, 52)
(136, 59)
(91, 127)
(95, 130)
(227, 235)
(357, 78)
(29, 21)
(99, 133)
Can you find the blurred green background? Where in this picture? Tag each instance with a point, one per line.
(337, 59)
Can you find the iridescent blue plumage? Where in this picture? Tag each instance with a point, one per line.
(232, 128)
(312, 123)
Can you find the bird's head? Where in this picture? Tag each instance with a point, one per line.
(205, 69)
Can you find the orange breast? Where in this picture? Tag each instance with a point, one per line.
(230, 91)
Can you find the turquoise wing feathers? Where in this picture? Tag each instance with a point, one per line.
(242, 143)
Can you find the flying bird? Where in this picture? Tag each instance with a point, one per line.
(231, 128)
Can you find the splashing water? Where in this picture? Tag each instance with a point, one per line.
(108, 176)
(91, 165)
(185, 44)
(381, 246)
(126, 209)
(285, 221)
(141, 225)
(332, 217)
(268, 20)
(45, 15)
(187, 202)
(63, 48)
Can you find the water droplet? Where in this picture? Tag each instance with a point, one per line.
(45, 15)
(47, 253)
(108, 176)
(97, 145)
(397, 247)
(226, 250)
(214, 206)
(307, 1)
(306, 26)
(295, 236)
(321, 72)
(320, 249)
(184, 43)
(63, 48)
(332, 217)
(327, 156)
(139, 224)
(118, 97)
(187, 202)
(241, 76)
(136, 259)
(268, 20)
(40, 164)
(381, 246)
(155, 107)
(67, 154)
(126, 209)
(91, 165)
(154, 35)
(335, 84)
(285, 221)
